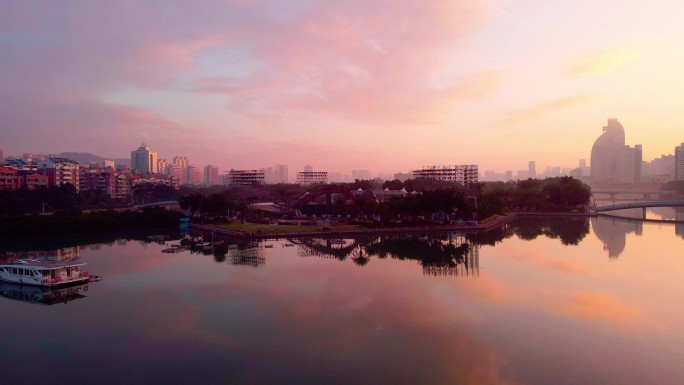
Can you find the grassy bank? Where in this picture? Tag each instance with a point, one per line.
(266, 228)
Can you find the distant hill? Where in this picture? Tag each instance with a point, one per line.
(86, 158)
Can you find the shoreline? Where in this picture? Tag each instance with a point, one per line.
(233, 234)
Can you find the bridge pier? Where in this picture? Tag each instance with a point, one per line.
(643, 213)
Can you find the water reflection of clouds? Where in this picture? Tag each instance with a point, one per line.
(601, 307)
(343, 321)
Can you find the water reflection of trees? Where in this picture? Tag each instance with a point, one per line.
(438, 254)
(570, 231)
(330, 247)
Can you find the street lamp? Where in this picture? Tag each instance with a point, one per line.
(475, 213)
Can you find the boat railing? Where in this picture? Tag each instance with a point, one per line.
(59, 279)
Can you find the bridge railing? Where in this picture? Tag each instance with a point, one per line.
(639, 205)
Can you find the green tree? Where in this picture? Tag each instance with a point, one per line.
(192, 203)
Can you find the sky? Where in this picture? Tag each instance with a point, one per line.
(385, 86)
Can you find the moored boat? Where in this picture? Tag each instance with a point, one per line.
(43, 273)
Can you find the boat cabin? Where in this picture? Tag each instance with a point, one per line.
(43, 273)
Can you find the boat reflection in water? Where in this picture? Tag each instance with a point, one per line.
(42, 295)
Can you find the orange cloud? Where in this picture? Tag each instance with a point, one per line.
(573, 268)
(542, 109)
(600, 307)
(487, 289)
(600, 63)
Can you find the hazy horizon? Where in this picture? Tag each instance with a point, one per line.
(341, 86)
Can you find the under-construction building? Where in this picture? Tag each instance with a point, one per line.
(312, 177)
(243, 177)
(464, 174)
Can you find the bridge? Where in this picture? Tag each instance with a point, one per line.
(646, 194)
(643, 205)
(164, 204)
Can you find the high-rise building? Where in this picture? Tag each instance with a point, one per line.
(360, 174)
(181, 162)
(269, 175)
(679, 162)
(611, 160)
(663, 169)
(175, 171)
(162, 166)
(193, 174)
(281, 173)
(144, 160)
(605, 154)
(1, 156)
(403, 176)
(630, 164)
(532, 169)
(211, 175)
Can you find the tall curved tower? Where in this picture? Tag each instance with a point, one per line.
(606, 153)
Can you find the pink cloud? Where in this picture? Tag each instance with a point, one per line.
(360, 60)
(37, 124)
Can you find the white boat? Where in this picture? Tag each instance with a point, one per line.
(43, 273)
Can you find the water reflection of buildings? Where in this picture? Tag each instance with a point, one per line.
(63, 254)
(246, 254)
(679, 225)
(438, 254)
(613, 232)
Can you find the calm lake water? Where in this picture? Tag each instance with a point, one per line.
(536, 302)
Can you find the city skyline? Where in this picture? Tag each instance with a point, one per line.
(353, 86)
